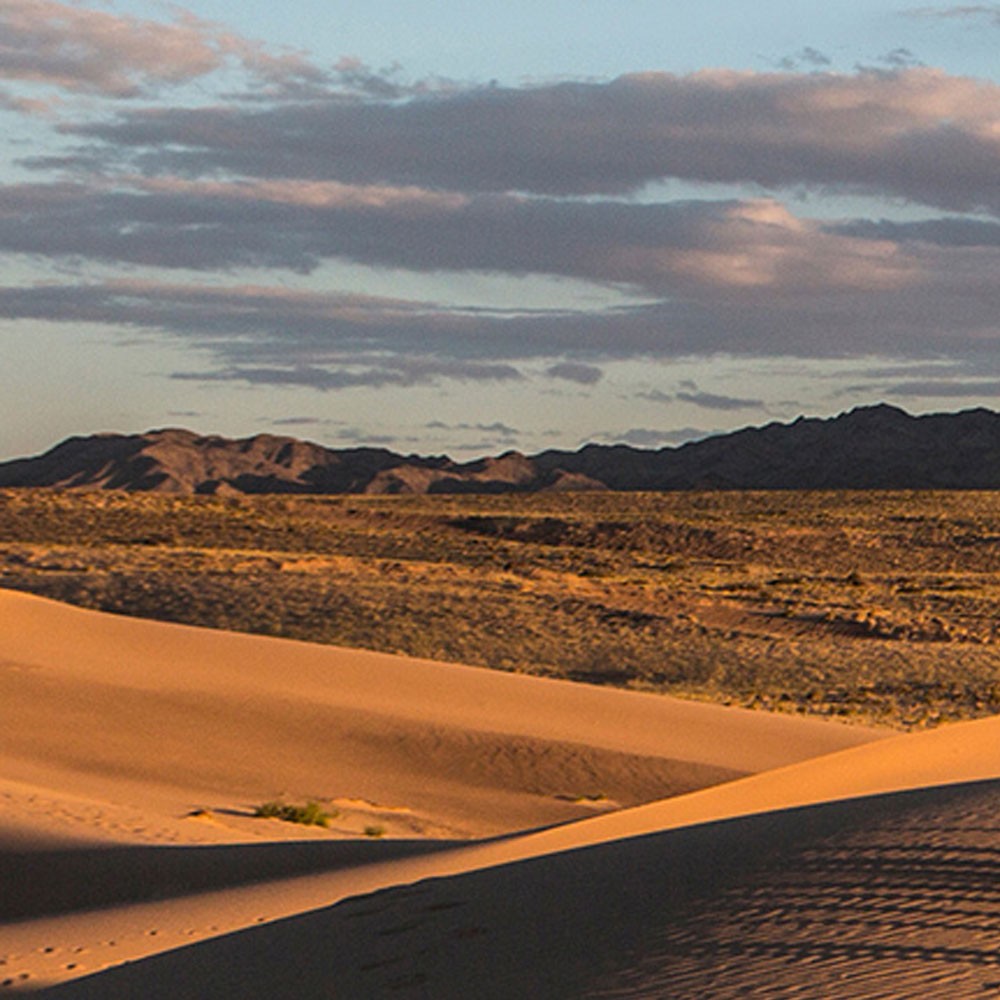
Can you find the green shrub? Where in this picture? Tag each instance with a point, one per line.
(311, 814)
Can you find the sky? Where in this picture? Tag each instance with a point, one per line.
(466, 228)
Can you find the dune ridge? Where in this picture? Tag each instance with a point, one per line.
(232, 904)
(654, 867)
(473, 751)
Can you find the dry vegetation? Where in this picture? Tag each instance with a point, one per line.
(872, 605)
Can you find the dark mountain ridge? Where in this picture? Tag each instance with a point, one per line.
(876, 447)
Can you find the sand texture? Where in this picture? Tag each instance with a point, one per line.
(889, 897)
(697, 851)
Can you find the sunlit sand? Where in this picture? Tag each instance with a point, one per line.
(533, 837)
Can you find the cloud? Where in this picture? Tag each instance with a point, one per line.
(296, 421)
(935, 369)
(945, 232)
(916, 133)
(399, 372)
(672, 248)
(690, 393)
(574, 371)
(808, 56)
(338, 431)
(711, 401)
(313, 377)
(24, 105)
(119, 55)
(497, 427)
(489, 436)
(682, 435)
(946, 388)
(646, 437)
(331, 340)
(357, 77)
(900, 58)
(357, 435)
(515, 182)
(975, 11)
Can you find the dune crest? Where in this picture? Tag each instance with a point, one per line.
(133, 750)
(180, 718)
(710, 894)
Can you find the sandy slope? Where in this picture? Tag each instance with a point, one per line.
(804, 889)
(174, 717)
(113, 732)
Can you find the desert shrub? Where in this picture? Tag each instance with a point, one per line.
(310, 814)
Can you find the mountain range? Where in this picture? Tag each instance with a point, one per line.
(875, 447)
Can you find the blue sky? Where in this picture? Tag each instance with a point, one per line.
(467, 227)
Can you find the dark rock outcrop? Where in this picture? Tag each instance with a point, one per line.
(877, 447)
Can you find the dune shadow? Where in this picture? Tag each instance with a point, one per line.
(42, 883)
(894, 888)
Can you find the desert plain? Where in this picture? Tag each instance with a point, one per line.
(731, 745)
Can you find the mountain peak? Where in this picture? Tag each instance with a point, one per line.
(877, 411)
(869, 447)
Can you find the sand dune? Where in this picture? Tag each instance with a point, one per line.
(891, 896)
(812, 894)
(132, 751)
(173, 717)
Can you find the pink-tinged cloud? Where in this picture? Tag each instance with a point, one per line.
(917, 133)
(731, 249)
(118, 55)
(306, 194)
(25, 105)
(760, 245)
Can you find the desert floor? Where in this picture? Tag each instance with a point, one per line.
(492, 835)
(876, 607)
